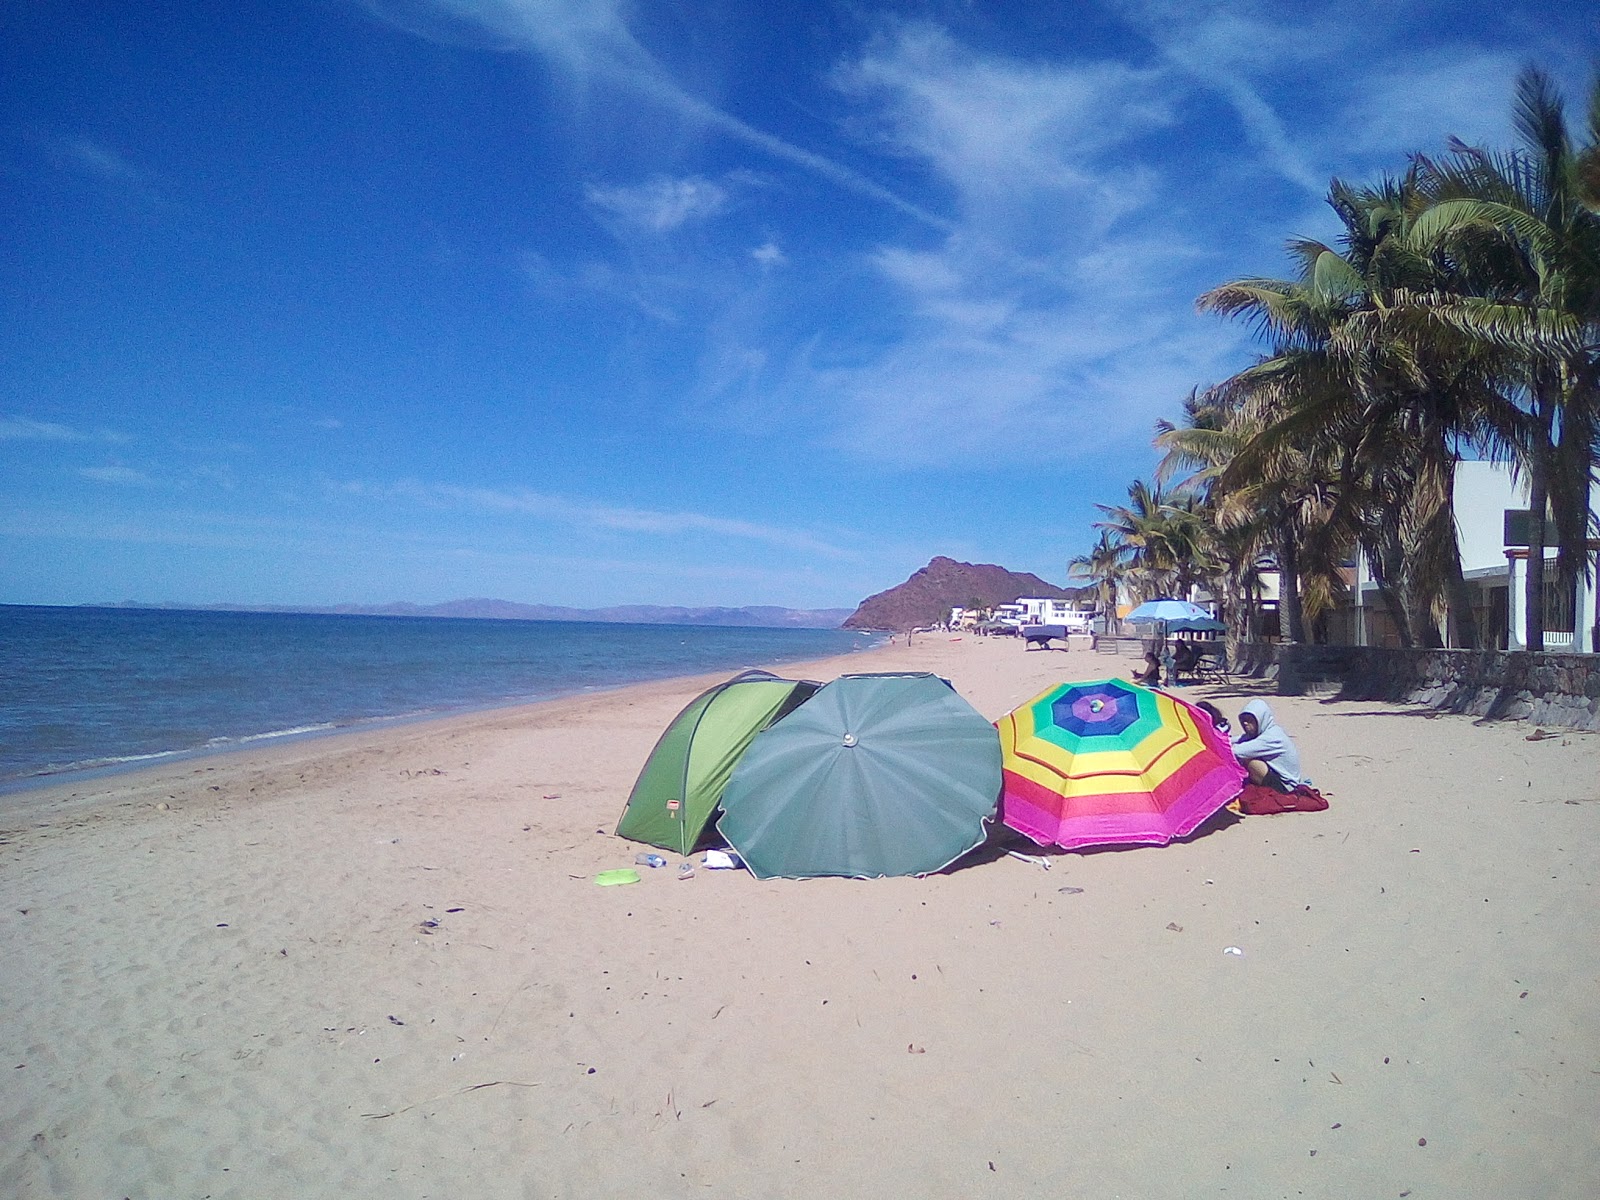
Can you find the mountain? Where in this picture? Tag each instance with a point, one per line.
(764, 616)
(943, 584)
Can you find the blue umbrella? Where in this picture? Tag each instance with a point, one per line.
(1152, 611)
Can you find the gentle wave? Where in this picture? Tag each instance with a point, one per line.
(85, 689)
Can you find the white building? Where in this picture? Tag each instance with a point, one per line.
(1495, 572)
(1032, 610)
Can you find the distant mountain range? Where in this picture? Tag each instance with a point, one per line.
(923, 599)
(928, 596)
(765, 616)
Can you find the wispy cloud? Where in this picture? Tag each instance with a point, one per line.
(117, 476)
(591, 515)
(1010, 340)
(105, 165)
(1000, 131)
(27, 429)
(1228, 47)
(662, 204)
(19, 429)
(592, 41)
(95, 159)
(769, 255)
(1418, 102)
(596, 278)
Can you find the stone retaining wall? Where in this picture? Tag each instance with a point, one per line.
(1561, 690)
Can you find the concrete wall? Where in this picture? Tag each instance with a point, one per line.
(1560, 690)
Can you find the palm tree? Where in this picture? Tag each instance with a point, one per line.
(1159, 548)
(1106, 565)
(1360, 409)
(1524, 234)
(1239, 527)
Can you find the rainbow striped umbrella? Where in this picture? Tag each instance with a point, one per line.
(1109, 762)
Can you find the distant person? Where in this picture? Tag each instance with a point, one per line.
(1265, 750)
(1184, 656)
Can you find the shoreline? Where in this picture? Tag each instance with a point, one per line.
(74, 773)
(264, 751)
(377, 964)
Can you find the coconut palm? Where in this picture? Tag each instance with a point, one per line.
(1523, 233)
(1361, 406)
(1159, 538)
(1237, 533)
(1106, 565)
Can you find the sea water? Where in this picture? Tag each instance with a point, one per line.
(95, 688)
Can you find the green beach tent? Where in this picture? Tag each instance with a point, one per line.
(682, 781)
(875, 775)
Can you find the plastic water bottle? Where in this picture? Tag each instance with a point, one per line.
(649, 860)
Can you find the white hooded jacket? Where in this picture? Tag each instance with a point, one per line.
(1271, 744)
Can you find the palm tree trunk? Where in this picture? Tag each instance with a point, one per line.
(1289, 587)
(1419, 616)
(1386, 562)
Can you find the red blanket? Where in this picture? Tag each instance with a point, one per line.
(1256, 800)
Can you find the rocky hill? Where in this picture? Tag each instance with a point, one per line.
(928, 595)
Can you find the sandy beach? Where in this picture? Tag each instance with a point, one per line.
(377, 965)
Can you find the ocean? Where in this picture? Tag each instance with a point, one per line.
(98, 688)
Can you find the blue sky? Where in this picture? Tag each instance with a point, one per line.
(593, 302)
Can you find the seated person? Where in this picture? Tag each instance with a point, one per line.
(1218, 720)
(1265, 750)
(1184, 656)
(1150, 675)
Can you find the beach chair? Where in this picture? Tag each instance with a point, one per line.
(1211, 665)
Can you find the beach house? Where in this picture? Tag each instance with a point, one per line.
(1491, 524)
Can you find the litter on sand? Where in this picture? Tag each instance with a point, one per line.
(620, 876)
(1037, 860)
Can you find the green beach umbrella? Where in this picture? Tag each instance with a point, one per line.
(874, 775)
(681, 783)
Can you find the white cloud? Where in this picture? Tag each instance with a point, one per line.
(592, 41)
(96, 159)
(1007, 341)
(1230, 48)
(599, 279)
(1418, 102)
(1007, 136)
(117, 476)
(27, 429)
(662, 204)
(769, 255)
(591, 515)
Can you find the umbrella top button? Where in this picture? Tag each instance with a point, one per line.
(849, 739)
(1096, 705)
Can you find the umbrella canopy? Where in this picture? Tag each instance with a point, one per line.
(1196, 625)
(874, 775)
(1108, 762)
(1152, 611)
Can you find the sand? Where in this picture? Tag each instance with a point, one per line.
(377, 966)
